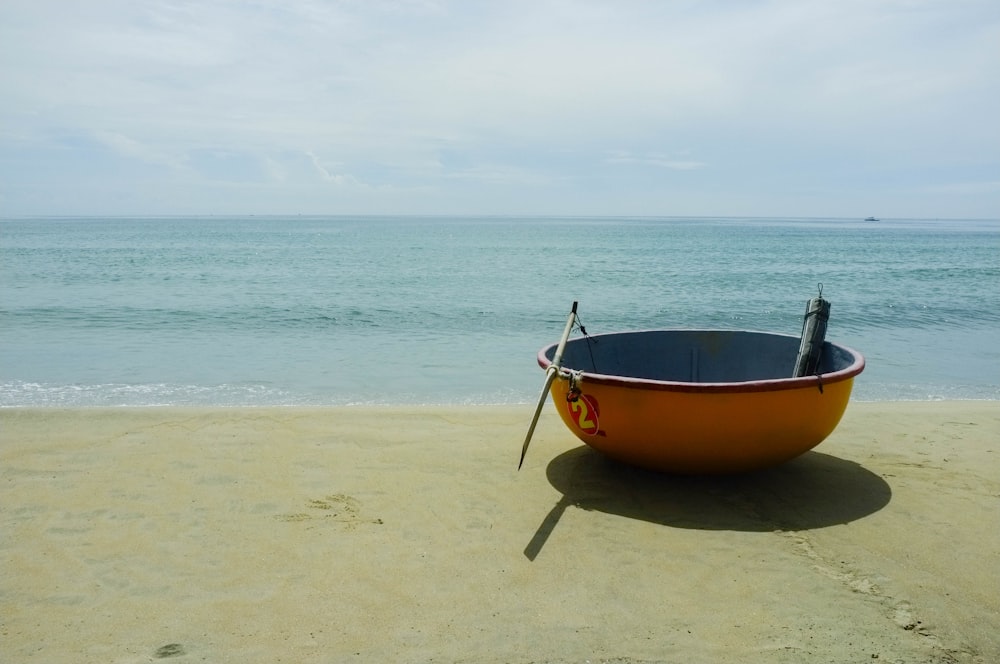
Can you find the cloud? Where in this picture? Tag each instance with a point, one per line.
(132, 149)
(339, 179)
(966, 188)
(500, 174)
(553, 95)
(656, 160)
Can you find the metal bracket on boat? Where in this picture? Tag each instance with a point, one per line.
(575, 379)
(819, 382)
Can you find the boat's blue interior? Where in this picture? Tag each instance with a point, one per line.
(694, 356)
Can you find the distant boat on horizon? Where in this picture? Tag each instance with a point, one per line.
(870, 219)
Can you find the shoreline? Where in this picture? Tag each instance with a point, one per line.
(417, 406)
(405, 533)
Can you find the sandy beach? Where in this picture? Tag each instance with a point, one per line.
(408, 535)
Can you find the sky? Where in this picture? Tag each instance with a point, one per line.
(784, 108)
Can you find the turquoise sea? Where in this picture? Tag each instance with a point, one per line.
(422, 310)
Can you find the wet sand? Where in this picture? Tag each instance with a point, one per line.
(408, 535)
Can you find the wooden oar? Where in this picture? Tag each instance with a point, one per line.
(813, 334)
(550, 375)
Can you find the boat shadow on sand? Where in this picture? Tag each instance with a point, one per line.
(815, 490)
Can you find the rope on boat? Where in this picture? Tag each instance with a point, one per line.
(574, 391)
(590, 341)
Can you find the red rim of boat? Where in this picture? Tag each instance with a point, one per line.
(768, 385)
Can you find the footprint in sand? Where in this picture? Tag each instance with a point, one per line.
(169, 650)
(339, 508)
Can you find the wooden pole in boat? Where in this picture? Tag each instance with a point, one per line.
(813, 335)
(550, 375)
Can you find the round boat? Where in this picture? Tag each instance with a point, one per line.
(699, 401)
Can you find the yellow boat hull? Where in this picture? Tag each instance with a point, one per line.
(698, 433)
(694, 427)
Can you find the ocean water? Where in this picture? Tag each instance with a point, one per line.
(421, 310)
